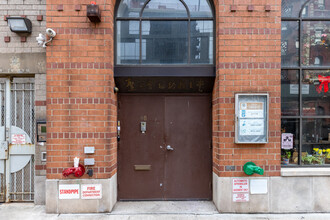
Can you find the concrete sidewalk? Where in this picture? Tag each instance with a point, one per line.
(148, 211)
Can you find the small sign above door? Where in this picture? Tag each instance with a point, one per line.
(165, 84)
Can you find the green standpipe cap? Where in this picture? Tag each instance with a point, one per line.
(250, 168)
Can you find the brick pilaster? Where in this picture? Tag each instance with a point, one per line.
(81, 104)
(248, 60)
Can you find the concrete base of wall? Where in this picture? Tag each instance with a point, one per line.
(39, 190)
(284, 194)
(105, 204)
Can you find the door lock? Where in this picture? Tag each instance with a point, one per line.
(143, 127)
(168, 147)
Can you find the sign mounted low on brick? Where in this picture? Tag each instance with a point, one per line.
(69, 191)
(91, 191)
(240, 185)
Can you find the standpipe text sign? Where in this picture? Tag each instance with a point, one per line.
(69, 191)
(91, 191)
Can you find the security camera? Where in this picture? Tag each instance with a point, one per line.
(50, 32)
(41, 39)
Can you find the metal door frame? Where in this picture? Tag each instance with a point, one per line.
(5, 185)
(175, 95)
(16, 149)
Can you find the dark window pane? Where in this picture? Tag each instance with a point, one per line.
(315, 148)
(316, 99)
(168, 9)
(130, 8)
(290, 136)
(316, 43)
(291, 8)
(289, 43)
(199, 8)
(290, 92)
(317, 9)
(164, 42)
(128, 47)
(201, 42)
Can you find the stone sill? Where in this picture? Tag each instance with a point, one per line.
(308, 171)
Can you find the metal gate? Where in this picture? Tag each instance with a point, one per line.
(17, 134)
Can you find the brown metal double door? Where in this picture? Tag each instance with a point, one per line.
(171, 160)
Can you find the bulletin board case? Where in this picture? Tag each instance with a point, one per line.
(251, 118)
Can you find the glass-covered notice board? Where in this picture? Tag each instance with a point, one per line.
(251, 118)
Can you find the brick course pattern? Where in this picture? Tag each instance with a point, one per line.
(248, 61)
(81, 104)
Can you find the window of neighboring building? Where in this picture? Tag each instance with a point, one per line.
(305, 79)
(164, 32)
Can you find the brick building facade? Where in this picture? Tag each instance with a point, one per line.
(79, 92)
(20, 56)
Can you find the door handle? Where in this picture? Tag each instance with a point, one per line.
(168, 147)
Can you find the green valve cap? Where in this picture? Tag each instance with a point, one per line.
(251, 168)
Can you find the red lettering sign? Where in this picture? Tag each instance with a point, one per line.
(240, 185)
(91, 191)
(69, 191)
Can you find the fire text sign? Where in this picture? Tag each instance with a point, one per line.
(91, 191)
(251, 121)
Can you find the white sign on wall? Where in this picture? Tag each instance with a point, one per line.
(240, 185)
(91, 191)
(69, 191)
(259, 186)
(18, 139)
(240, 197)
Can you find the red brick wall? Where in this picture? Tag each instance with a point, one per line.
(248, 60)
(81, 105)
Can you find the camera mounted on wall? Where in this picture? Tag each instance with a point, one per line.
(41, 39)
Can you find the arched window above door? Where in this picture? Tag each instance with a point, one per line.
(169, 8)
(171, 32)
